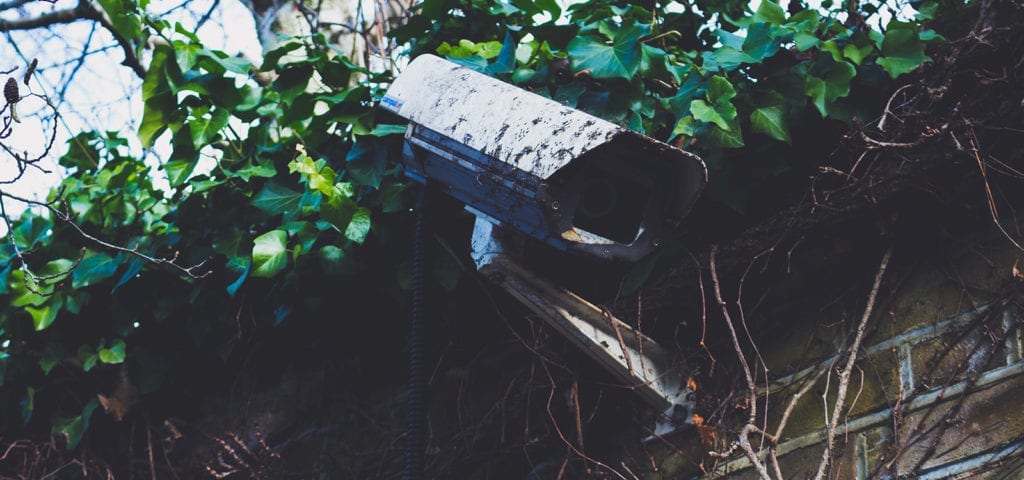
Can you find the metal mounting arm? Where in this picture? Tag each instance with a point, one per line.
(628, 354)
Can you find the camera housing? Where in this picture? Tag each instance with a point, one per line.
(562, 176)
(526, 165)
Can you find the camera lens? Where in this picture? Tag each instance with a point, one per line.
(598, 198)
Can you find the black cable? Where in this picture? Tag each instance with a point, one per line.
(416, 416)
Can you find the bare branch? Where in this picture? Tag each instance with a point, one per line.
(68, 15)
(742, 440)
(83, 11)
(844, 376)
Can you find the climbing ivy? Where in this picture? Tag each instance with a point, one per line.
(277, 188)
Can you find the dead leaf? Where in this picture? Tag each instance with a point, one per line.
(708, 435)
(121, 398)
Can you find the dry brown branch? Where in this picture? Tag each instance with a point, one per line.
(561, 435)
(742, 440)
(844, 375)
(992, 207)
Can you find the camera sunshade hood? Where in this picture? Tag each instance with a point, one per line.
(566, 177)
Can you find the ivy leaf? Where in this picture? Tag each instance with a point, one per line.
(160, 104)
(761, 41)
(720, 90)
(720, 111)
(770, 12)
(902, 51)
(359, 226)
(330, 258)
(178, 171)
(275, 199)
(506, 61)
(114, 354)
(857, 54)
(272, 59)
(805, 41)
(50, 359)
(706, 113)
(338, 211)
(367, 161)
(685, 126)
(206, 128)
(87, 357)
(93, 269)
(769, 121)
(72, 429)
(725, 58)
(385, 129)
(232, 288)
(258, 170)
(725, 138)
(621, 59)
(269, 254)
(835, 84)
(43, 317)
(31, 232)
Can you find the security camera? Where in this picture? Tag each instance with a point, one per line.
(570, 179)
(527, 165)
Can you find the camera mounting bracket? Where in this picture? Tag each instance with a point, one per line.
(631, 356)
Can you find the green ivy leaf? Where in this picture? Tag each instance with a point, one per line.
(269, 254)
(902, 51)
(770, 12)
(87, 357)
(330, 258)
(43, 317)
(805, 41)
(275, 199)
(72, 429)
(770, 121)
(836, 84)
(359, 226)
(725, 138)
(258, 170)
(234, 265)
(725, 58)
(114, 354)
(720, 90)
(50, 359)
(205, 129)
(685, 126)
(178, 171)
(272, 58)
(31, 232)
(706, 113)
(761, 41)
(161, 106)
(93, 269)
(338, 211)
(621, 59)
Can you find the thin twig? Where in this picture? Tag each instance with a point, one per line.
(844, 376)
(742, 441)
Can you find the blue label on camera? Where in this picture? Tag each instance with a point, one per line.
(391, 103)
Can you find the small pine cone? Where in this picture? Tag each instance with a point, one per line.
(11, 93)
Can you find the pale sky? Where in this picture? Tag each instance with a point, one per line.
(103, 95)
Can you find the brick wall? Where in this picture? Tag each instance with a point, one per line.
(938, 391)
